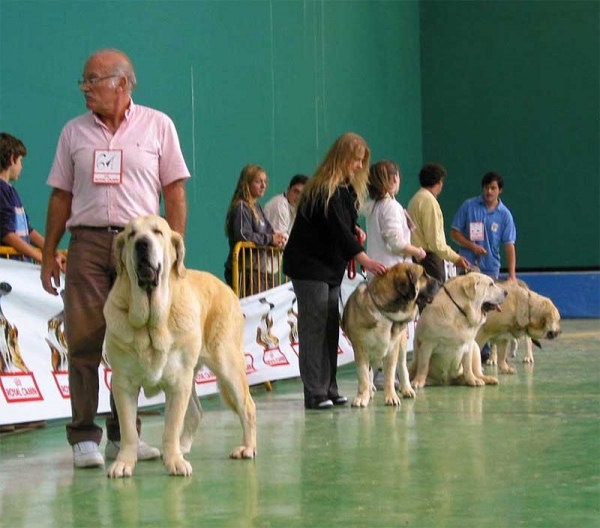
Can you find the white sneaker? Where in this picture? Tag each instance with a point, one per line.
(86, 454)
(144, 451)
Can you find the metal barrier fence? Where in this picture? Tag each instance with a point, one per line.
(257, 268)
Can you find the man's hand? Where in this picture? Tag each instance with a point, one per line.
(462, 263)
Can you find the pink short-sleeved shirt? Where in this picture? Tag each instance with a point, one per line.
(151, 160)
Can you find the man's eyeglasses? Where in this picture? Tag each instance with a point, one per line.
(94, 80)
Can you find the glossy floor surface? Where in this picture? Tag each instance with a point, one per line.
(524, 453)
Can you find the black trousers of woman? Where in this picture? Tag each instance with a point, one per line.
(318, 332)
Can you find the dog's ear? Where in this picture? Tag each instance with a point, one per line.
(119, 245)
(178, 245)
(471, 286)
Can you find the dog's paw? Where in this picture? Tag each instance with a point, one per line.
(178, 466)
(408, 392)
(360, 401)
(475, 382)
(120, 469)
(392, 399)
(418, 383)
(528, 360)
(490, 361)
(243, 452)
(505, 369)
(490, 380)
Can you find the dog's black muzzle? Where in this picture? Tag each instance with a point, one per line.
(147, 274)
(427, 294)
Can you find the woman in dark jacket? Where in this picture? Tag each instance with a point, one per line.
(322, 242)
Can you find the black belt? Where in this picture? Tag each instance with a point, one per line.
(109, 229)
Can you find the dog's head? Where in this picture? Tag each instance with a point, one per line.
(410, 286)
(543, 317)
(482, 293)
(148, 250)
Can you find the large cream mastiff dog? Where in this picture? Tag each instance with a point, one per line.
(445, 351)
(524, 314)
(375, 319)
(162, 323)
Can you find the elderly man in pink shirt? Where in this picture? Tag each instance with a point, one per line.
(111, 165)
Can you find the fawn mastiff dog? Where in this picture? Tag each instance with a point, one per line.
(445, 348)
(162, 323)
(525, 314)
(375, 319)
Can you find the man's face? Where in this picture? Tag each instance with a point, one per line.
(101, 97)
(293, 193)
(491, 193)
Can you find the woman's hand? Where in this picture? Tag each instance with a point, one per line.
(279, 239)
(368, 264)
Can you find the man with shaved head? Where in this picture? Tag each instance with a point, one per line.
(111, 165)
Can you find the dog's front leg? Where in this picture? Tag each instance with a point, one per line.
(390, 360)
(469, 351)
(177, 399)
(405, 388)
(477, 370)
(528, 358)
(502, 364)
(363, 395)
(421, 355)
(191, 421)
(126, 399)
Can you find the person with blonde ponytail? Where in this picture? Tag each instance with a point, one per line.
(324, 238)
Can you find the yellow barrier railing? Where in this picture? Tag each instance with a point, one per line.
(9, 252)
(256, 268)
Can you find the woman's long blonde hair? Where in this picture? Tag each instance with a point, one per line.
(333, 172)
(242, 192)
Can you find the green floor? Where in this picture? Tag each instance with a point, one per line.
(525, 453)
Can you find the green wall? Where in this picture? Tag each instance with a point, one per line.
(272, 83)
(514, 87)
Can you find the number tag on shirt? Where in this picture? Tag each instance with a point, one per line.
(476, 232)
(108, 166)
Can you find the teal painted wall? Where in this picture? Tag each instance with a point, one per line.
(514, 87)
(272, 83)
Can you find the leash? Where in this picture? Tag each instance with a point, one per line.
(454, 302)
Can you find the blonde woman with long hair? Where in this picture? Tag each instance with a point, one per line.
(246, 222)
(325, 237)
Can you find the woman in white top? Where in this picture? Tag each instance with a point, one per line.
(388, 224)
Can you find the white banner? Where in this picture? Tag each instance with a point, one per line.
(34, 382)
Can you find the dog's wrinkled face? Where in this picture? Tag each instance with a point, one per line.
(148, 249)
(485, 292)
(412, 285)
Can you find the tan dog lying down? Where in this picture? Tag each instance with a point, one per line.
(445, 349)
(375, 319)
(162, 323)
(524, 314)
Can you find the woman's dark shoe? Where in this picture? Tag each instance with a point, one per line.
(338, 399)
(318, 402)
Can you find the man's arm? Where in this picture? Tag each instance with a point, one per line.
(176, 205)
(463, 241)
(59, 211)
(511, 260)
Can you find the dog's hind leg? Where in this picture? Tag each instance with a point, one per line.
(234, 389)
(191, 422)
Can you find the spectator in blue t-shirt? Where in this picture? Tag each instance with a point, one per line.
(15, 230)
(482, 224)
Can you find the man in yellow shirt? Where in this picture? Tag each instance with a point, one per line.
(426, 213)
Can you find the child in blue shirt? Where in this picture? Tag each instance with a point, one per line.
(15, 230)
